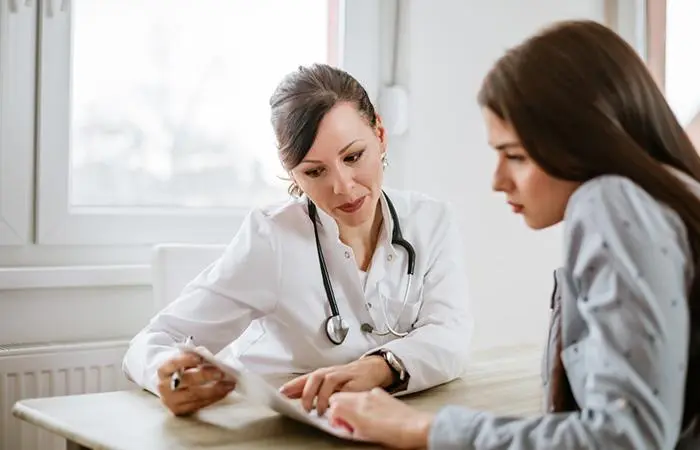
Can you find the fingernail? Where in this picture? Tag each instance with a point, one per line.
(340, 423)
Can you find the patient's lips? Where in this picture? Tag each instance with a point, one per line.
(517, 208)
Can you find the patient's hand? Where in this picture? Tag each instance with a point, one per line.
(200, 385)
(361, 375)
(376, 416)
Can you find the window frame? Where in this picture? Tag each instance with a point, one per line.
(656, 56)
(57, 223)
(656, 40)
(629, 19)
(17, 76)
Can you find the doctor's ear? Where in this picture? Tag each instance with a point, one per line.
(380, 131)
(294, 189)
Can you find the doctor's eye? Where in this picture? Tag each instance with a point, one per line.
(354, 157)
(314, 173)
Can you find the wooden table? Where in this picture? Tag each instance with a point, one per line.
(504, 381)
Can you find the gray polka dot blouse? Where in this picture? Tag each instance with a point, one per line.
(621, 298)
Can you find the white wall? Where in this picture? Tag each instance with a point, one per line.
(448, 46)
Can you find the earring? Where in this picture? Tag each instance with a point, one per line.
(385, 161)
(294, 189)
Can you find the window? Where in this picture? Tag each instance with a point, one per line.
(153, 120)
(683, 63)
(673, 39)
(17, 67)
(628, 19)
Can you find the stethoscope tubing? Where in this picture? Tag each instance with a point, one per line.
(396, 239)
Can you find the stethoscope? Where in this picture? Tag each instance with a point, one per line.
(336, 328)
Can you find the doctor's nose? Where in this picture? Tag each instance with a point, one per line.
(343, 182)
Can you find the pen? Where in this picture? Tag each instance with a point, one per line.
(177, 375)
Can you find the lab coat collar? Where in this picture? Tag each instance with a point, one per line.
(330, 226)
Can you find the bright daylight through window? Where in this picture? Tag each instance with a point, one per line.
(683, 63)
(169, 101)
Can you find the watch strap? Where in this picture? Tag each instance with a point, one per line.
(398, 369)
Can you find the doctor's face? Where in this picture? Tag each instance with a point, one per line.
(342, 172)
(530, 191)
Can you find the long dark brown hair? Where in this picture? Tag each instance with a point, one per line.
(584, 104)
(301, 101)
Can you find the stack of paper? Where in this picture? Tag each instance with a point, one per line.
(256, 390)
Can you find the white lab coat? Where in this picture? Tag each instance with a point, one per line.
(264, 304)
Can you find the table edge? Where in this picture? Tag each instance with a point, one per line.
(26, 413)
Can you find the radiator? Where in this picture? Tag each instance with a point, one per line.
(51, 370)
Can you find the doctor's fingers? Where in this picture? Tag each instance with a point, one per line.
(190, 379)
(200, 375)
(322, 386)
(355, 385)
(180, 362)
(295, 388)
(189, 400)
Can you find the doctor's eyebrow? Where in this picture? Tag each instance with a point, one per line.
(340, 152)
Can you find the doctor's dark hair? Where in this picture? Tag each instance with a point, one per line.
(301, 101)
(583, 104)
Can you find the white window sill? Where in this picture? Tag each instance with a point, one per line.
(74, 277)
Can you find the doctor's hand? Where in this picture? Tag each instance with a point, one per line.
(376, 416)
(200, 385)
(357, 376)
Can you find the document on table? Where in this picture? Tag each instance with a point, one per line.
(256, 390)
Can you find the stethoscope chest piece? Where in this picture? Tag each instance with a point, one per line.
(336, 329)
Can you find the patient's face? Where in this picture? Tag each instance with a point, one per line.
(342, 173)
(530, 191)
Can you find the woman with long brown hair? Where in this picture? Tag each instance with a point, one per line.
(584, 136)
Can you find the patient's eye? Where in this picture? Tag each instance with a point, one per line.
(515, 157)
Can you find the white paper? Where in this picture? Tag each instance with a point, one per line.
(256, 390)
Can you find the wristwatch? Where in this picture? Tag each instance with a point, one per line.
(401, 375)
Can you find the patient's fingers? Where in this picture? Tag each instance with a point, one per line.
(343, 409)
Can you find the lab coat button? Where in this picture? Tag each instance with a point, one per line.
(347, 255)
(390, 258)
(369, 305)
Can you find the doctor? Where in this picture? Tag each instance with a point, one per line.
(353, 286)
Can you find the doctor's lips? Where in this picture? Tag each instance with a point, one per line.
(352, 207)
(517, 208)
